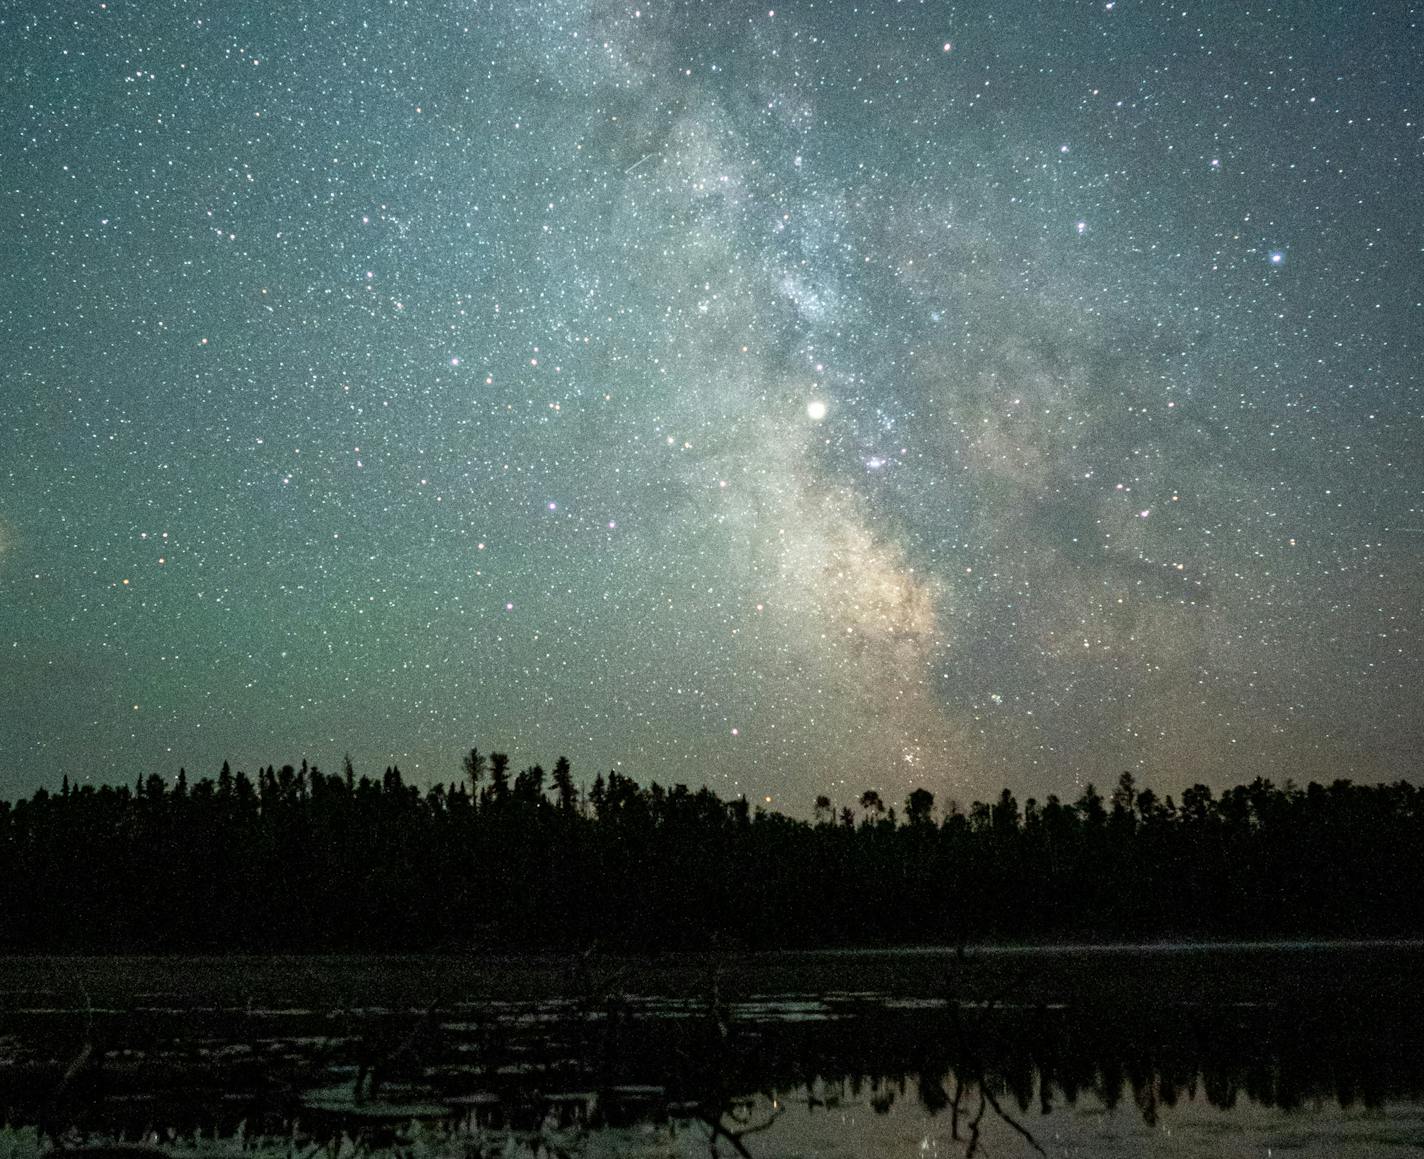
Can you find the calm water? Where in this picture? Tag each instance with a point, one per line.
(1216, 1051)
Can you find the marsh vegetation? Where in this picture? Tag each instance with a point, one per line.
(763, 1055)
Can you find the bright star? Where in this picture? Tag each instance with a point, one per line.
(816, 410)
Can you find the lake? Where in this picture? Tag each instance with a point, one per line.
(1306, 1049)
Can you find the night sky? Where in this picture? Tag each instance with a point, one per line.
(795, 400)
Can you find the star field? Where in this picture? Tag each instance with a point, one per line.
(795, 400)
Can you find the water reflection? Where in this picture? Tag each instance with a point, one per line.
(550, 1073)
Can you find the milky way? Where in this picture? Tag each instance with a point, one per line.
(796, 400)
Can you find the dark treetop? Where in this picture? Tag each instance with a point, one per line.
(302, 860)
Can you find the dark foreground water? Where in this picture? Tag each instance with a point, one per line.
(1306, 1050)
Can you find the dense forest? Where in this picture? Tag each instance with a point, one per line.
(301, 860)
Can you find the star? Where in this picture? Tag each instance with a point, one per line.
(810, 305)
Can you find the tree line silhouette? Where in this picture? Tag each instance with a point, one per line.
(297, 859)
